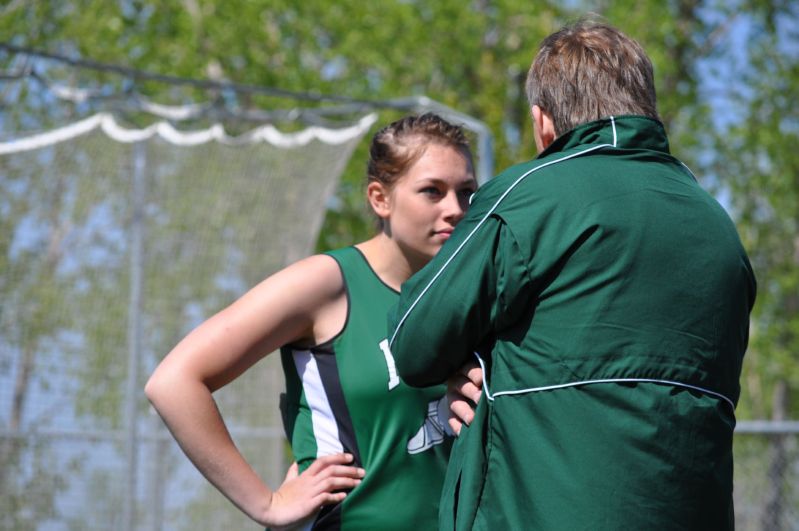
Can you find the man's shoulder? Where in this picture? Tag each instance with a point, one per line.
(534, 179)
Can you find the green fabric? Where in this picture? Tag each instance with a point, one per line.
(401, 489)
(601, 259)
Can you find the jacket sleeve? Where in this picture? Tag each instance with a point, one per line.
(474, 287)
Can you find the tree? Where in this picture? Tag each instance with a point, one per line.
(757, 162)
(470, 56)
(757, 159)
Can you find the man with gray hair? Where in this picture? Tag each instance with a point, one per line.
(606, 297)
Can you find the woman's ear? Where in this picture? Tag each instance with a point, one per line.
(379, 199)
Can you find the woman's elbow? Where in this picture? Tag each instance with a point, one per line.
(158, 386)
(152, 388)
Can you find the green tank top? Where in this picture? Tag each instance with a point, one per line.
(345, 395)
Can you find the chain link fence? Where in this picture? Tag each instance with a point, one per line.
(766, 476)
(114, 243)
(78, 480)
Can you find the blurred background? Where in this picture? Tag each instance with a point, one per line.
(159, 158)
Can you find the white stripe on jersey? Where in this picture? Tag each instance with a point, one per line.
(325, 429)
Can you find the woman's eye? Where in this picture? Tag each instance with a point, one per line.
(431, 191)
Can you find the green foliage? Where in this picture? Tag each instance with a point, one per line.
(757, 161)
(472, 56)
(30, 479)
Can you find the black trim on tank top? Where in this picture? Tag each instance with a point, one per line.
(373, 271)
(328, 372)
(328, 519)
(328, 343)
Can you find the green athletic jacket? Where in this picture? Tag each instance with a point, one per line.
(608, 296)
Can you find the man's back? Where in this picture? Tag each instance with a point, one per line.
(632, 261)
(612, 315)
(608, 299)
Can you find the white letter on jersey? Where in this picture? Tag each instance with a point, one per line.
(393, 379)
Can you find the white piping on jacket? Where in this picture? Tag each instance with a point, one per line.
(491, 396)
(487, 215)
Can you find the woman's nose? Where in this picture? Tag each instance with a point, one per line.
(454, 207)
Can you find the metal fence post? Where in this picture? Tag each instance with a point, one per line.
(134, 333)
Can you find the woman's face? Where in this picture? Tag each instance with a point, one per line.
(426, 203)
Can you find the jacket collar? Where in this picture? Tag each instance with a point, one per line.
(629, 131)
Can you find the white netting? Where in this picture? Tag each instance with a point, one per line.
(114, 243)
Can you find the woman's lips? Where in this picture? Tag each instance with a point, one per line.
(443, 234)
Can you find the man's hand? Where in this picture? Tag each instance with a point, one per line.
(463, 393)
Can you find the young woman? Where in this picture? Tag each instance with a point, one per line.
(370, 451)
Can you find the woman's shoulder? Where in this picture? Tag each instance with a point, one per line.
(320, 273)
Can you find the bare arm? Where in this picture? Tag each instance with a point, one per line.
(297, 303)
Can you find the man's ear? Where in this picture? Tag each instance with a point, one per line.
(379, 199)
(543, 128)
